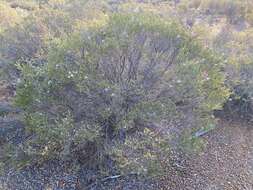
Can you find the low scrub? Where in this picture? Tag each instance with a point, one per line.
(102, 91)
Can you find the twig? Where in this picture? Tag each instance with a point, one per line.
(202, 132)
(108, 178)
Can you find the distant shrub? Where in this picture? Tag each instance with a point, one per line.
(30, 39)
(103, 89)
(234, 10)
(25, 5)
(9, 16)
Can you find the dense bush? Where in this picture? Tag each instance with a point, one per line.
(101, 92)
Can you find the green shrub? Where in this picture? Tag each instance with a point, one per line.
(103, 85)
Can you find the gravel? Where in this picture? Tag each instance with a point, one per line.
(50, 176)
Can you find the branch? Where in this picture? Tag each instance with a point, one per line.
(108, 178)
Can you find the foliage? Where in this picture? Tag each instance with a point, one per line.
(145, 153)
(191, 144)
(107, 82)
(228, 24)
(30, 39)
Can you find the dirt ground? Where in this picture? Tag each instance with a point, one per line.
(226, 163)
